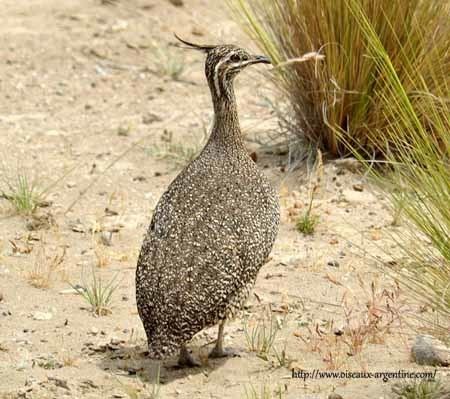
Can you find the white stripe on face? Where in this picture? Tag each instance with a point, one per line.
(216, 76)
(216, 73)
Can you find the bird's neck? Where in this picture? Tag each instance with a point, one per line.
(225, 130)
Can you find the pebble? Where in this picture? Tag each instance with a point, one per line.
(358, 187)
(177, 3)
(334, 396)
(59, 382)
(42, 316)
(94, 331)
(106, 238)
(333, 263)
(428, 350)
(123, 130)
(150, 118)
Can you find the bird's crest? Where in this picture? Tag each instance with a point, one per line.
(201, 47)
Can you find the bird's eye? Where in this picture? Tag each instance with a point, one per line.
(235, 58)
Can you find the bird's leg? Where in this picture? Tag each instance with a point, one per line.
(186, 359)
(218, 350)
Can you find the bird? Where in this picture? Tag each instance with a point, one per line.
(211, 230)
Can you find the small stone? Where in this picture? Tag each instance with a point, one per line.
(124, 130)
(358, 187)
(106, 238)
(42, 316)
(334, 396)
(177, 3)
(150, 118)
(116, 341)
(350, 164)
(428, 350)
(333, 263)
(111, 212)
(77, 227)
(1, 297)
(30, 381)
(94, 331)
(118, 26)
(59, 382)
(88, 384)
(197, 31)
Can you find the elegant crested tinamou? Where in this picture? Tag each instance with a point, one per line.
(212, 229)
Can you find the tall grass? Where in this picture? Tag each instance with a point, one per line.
(337, 95)
(419, 179)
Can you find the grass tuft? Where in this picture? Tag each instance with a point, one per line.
(261, 334)
(306, 223)
(335, 100)
(423, 389)
(418, 181)
(98, 294)
(23, 194)
(169, 61)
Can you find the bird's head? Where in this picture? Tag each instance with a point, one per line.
(223, 63)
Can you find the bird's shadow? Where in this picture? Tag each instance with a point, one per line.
(129, 360)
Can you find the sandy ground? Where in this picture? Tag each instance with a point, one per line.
(81, 85)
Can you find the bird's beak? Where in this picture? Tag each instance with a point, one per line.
(260, 59)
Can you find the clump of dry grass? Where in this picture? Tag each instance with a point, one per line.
(45, 266)
(336, 100)
(366, 319)
(372, 321)
(306, 223)
(261, 333)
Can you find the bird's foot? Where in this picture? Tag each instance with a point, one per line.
(187, 360)
(218, 353)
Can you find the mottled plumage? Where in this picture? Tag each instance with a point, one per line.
(211, 230)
